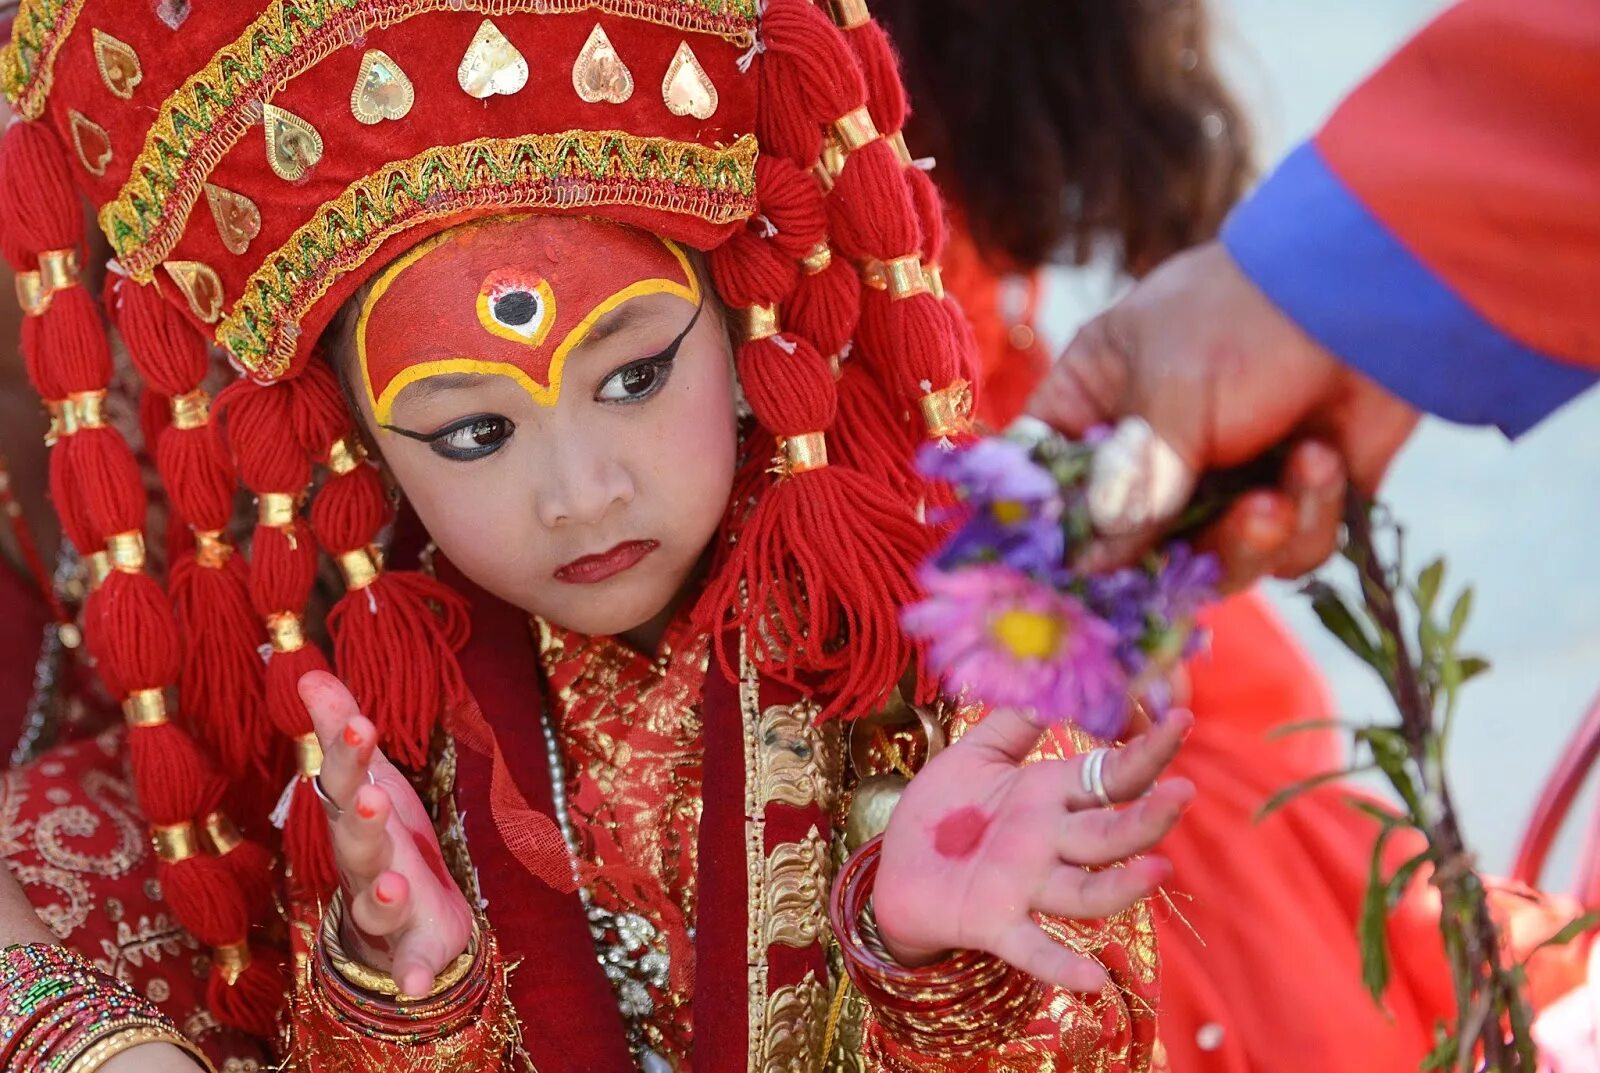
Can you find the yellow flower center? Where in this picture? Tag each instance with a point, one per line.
(1028, 634)
(1008, 511)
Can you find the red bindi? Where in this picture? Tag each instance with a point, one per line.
(958, 835)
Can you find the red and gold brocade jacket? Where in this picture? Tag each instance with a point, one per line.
(709, 814)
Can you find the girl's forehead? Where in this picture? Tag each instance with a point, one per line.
(511, 296)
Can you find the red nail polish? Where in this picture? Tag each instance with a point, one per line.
(380, 892)
(351, 738)
(365, 810)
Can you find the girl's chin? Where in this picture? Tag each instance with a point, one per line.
(596, 613)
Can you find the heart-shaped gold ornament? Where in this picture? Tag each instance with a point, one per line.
(293, 145)
(599, 73)
(118, 63)
(200, 285)
(91, 141)
(687, 89)
(492, 65)
(237, 218)
(382, 90)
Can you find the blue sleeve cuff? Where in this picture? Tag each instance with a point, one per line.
(1332, 266)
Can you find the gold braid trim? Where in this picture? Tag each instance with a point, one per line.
(539, 171)
(220, 104)
(27, 65)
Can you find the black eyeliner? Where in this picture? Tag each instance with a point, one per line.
(667, 354)
(430, 437)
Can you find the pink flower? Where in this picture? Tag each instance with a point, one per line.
(998, 636)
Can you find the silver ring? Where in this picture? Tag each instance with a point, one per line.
(1093, 775)
(329, 803)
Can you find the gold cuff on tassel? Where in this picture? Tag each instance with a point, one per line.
(308, 755)
(800, 454)
(286, 631)
(175, 842)
(359, 567)
(211, 548)
(948, 411)
(222, 835)
(345, 455)
(191, 410)
(231, 960)
(817, 259)
(855, 129)
(99, 568)
(58, 270)
(81, 409)
(849, 14)
(904, 277)
(145, 708)
(829, 163)
(759, 322)
(275, 510)
(898, 141)
(56, 409)
(126, 551)
(934, 276)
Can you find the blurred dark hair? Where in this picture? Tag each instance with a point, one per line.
(1060, 123)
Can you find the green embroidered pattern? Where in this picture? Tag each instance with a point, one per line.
(27, 65)
(573, 170)
(221, 103)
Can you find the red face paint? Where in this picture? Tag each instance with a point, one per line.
(509, 297)
(958, 835)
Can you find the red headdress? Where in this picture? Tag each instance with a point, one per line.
(253, 165)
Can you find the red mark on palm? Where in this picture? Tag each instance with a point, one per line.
(959, 834)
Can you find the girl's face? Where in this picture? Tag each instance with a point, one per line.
(555, 398)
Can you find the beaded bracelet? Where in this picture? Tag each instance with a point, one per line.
(58, 1014)
(968, 1003)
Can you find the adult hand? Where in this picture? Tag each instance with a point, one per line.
(406, 916)
(1222, 376)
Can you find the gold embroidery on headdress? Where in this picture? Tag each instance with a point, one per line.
(27, 63)
(382, 90)
(118, 63)
(293, 145)
(599, 73)
(200, 286)
(92, 143)
(237, 218)
(492, 64)
(687, 89)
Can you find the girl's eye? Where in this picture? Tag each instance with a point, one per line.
(475, 438)
(633, 383)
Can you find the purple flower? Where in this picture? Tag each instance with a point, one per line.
(1013, 507)
(1186, 582)
(1008, 640)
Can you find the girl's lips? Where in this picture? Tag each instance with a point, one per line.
(592, 569)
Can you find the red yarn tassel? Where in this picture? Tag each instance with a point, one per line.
(203, 895)
(826, 307)
(254, 1002)
(221, 679)
(250, 865)
(886, 95)
(308, 845)
(284, 671)
(809, 604)
(394, 644)
(173, 780)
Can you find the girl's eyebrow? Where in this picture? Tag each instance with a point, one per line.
(624, 316)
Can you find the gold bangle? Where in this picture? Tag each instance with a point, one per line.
(374, 981)
(126, 1033)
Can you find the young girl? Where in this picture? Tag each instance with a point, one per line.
(588, 790)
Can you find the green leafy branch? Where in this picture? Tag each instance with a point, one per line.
(1423, 670)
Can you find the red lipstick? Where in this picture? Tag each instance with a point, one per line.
(592, 569)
